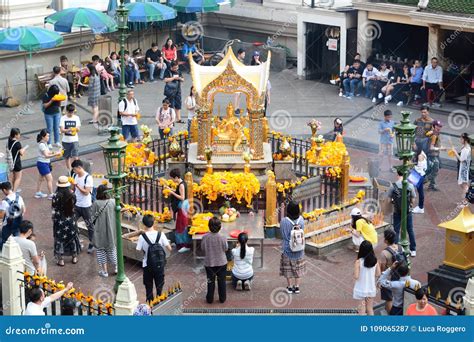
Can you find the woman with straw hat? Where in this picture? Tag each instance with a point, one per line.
(66, 236)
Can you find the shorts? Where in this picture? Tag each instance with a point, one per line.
(386, 294)
(386, 149)
(175, 101)
(128, 130)
(44, 168)
(71, 149)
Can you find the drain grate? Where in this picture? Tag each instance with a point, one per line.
(267, 311)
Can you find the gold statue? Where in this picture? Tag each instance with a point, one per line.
(230, 129)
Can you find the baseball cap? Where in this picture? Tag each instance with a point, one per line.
(356, 212)
(437, 123)
(256, 53)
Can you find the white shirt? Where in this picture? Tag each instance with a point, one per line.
(33, 309)
(70, 122)
(42, 148)
(142, 245)
(190, 102)
(243, 267)
(83, 201)
(131, 109)
(5, 206)
(370, 74)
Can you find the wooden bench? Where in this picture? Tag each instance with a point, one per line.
(41, 81)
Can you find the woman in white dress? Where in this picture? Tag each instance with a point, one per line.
(464, 160)
(366, 270)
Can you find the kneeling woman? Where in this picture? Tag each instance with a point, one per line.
(242, 272)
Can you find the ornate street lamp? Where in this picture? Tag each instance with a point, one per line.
(114, 155)
(405, 134)
(122, 25)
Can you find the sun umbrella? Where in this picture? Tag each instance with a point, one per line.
(96, 21)
(146, 12)
(192, 6)
(28, 39)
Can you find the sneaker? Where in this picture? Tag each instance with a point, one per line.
(388, 98)
(413, 254)
(103, 274)
(50, 196)
(400, 103)
(184, 250)
(427, 104)
(333, 82)
(116, 270)
(418, 210)
(239, 285)
(40, 195)
(433, 188)
(18, 191)
(247, 285)
(296, 290)
(90, 249)
(357, 94)
(374, 100)
(437, 105)
(289, 290)
(341, 94)
(349, 97)
(380, 95)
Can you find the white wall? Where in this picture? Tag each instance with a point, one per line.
(100, 5)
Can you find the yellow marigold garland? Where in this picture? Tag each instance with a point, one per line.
(331, 154)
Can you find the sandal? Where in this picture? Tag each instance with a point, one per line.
(74, 260)
(60, 262)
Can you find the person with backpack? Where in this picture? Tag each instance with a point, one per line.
(105, 236)
(395, 279)
(215, 247)
(179, 204)
(292, 263)
(389, 255)
(12, 210)
(153, 244)
(242, 272)
(165, 118)
(128, 110)
(362, 229)
(395, 194)
(83, 185)
(14, 152)
(366, 271)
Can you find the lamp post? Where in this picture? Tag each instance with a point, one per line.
(114, 155)
(122, 25)
(405, 134)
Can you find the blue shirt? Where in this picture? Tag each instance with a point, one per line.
(416, 74)
(285, 228)
(431, 75)
(187, 49)
(385, 137)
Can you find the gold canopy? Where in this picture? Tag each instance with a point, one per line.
(463, 223)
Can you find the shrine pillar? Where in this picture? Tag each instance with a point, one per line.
(204, 131)
(256, 132)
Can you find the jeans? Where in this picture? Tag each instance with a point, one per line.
(150, 276)
(151, 71)
(212, 273)
(12, 228)
(433, 169)
(86, 214)
(370, 89)
(130, 130)
(235, 279)
(162, 133)
(350, 85)
(397, 221)
(137, 75)
(52, 125)
(421, 193)
(129, 75)
(415, 89)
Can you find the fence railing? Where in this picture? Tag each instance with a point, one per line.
(145, 193)
(161, 149)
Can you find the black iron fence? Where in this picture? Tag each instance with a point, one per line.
(145, 193)
(161, 149)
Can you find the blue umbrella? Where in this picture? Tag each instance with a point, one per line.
(193, 6)
(112, 8)
(28, 39)
(145, 12)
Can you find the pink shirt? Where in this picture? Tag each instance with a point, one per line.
(165, 118)
(170, 54)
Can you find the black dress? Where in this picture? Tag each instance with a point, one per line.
(66, 235)
(15, 147)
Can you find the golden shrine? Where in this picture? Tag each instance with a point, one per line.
(230, 136)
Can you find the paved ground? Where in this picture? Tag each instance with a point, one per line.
(328, 283)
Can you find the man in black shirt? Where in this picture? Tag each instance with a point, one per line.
(155, 60)
(353, 80)
(173, 79)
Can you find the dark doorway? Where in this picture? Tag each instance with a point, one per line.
(321, 62)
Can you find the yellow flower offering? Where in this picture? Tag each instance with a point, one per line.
(73, 130)
(167, 130)
(139, 155)
(70, 180)
(331, 154)
(139, 116)
(59, 97)
(451, 153)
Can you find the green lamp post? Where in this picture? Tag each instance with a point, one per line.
(122, 25)
(405, 135)
(114, 155)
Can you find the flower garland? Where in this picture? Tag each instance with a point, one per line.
(54, 286)
(278, 135)
(163, 217)
(316, 213)
(331, 154)
(228, 184)
(169, 183)
(200, 223)
(183, 134)
(334, 172)
(285, 186)
(138, 154)
(165, 294)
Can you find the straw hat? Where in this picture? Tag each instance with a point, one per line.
(63, 182)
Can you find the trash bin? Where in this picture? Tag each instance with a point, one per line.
(373, 167)
(106, 118)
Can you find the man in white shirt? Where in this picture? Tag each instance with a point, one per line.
(70, 125)
(128, 110)
(12, 210)
(151, 275)
(62, 84)
(38, 301)
(28, 248)
(369, 81)
(83, 184)
(433, 79)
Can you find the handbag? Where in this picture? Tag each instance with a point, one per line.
(171, 89)
(414, 178)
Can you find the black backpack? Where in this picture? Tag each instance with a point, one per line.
(156, 257)
(14, 209)
(398, 256)
(126, 103)
(397, 198)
